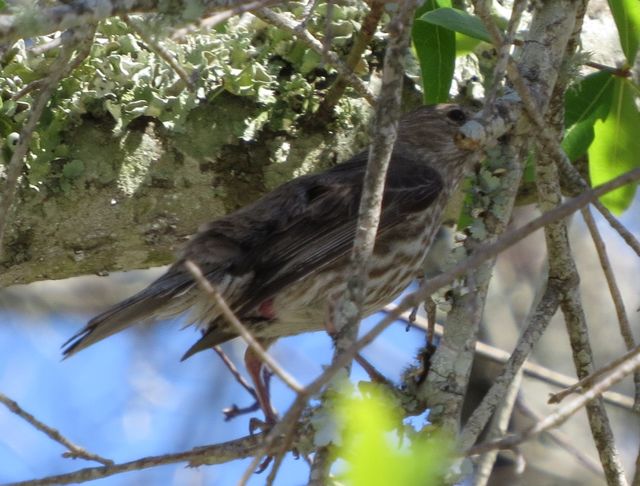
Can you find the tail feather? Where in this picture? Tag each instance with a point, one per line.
(143, 306)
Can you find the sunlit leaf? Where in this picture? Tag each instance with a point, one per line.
(465, 44)
(374, 453)
(585, 102)
(616, 146)
(626, 14)
(458, 21)
(436, 50)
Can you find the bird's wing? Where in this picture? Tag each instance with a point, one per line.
(323, 231)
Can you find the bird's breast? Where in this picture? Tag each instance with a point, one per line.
(398, 254)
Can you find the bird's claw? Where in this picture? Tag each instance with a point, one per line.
(234, 411)
(255, 424)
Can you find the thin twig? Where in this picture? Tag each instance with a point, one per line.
(348, 311)
(563, 413)
(368, 29)
(503, 43)
(75, 15)
(198, 456)
(623, 319)
(162, 52)
(539, 317)
(532, 370)
(562, 440)
(586, 382)
(220, 17)
(498, 427)
(242, 331)
(329, 57)
(74, 451)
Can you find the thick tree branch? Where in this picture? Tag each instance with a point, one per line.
(78, 13)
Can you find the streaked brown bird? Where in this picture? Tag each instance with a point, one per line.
(278, 261)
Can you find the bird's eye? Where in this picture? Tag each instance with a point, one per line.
(457, 115)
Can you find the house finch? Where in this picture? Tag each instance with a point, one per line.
(277, 261)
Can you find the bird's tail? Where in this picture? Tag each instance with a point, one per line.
(160, 298)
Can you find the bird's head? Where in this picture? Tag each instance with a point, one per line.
(429, 133)
(433, 127)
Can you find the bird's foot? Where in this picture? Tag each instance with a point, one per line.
(234, 411)
(257, 425)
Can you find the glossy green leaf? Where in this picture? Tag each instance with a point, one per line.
(458, 21)
(589, 96)
(585, 102)
(626, 14)
(578, 138)
(616, 146)
(436, 50)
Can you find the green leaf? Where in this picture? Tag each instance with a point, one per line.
(591, 95)
(465, 44)
(458, 21)
(626, 14)
(373, 451)
(578, 138)
(616, 146)
(436, 50)
(585, 102)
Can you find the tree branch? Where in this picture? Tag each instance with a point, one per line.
(563, 413)
(74, 451)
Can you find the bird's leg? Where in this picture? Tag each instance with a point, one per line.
(255, 368)
(234, 411)
(430, 308)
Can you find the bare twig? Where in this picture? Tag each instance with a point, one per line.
(218, 18)
(563, 413)
(530, 369)
(212, 454)
(77, 14)
(329, 57)
(551, 145)
(502, 43)
(587, 381)
(363, 38)
(234, 371)
(562, 440)
(537, 322)
(74, 451)
(162, 52)
(242, 331)
(623, 320)
(498, 427)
